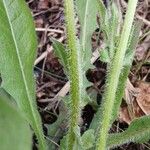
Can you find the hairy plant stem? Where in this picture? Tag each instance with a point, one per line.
(113, 77)
(74, 72)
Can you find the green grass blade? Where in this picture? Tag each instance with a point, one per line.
(17, 48)
(15, 133)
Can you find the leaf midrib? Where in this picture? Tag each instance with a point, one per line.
(85, 25)
(19, 60)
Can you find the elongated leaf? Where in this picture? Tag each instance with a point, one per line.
(104, 18)
(138, 130)
(61, 53)
(15, 133)
(113, 25)
(87, 10)
(17, 54)
(102, 12)
(133, 40)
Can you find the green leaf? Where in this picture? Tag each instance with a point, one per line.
(84, 142)
(85, 96)
(102, 12)
(88, 139)
(104, 56)
(133, 40)
(77, 143)
(110, 26)
(17, 49)
(15, 133)
(63, 143)
(104, 19)
(113, 27)
(138, 130)
(61, 53)
(120, 91)
(55, 131)
(96, 121)
(87, 10)
(88, 26)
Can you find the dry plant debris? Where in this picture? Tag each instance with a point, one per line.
(143, 97)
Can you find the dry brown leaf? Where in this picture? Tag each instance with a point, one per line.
(130, 112)
(143, 97)
(137, 111)
(124, 115)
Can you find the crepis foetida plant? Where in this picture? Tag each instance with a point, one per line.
(17, 91)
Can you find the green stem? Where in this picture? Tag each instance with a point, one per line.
(113, 77)
(74, 72)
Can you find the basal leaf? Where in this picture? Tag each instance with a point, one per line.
(17, 54)
(15, 133)
(104, 55)
(55, 131)
(88, 139)
(63, 143)
(138, 130)
(87, 10)
(77, 143)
